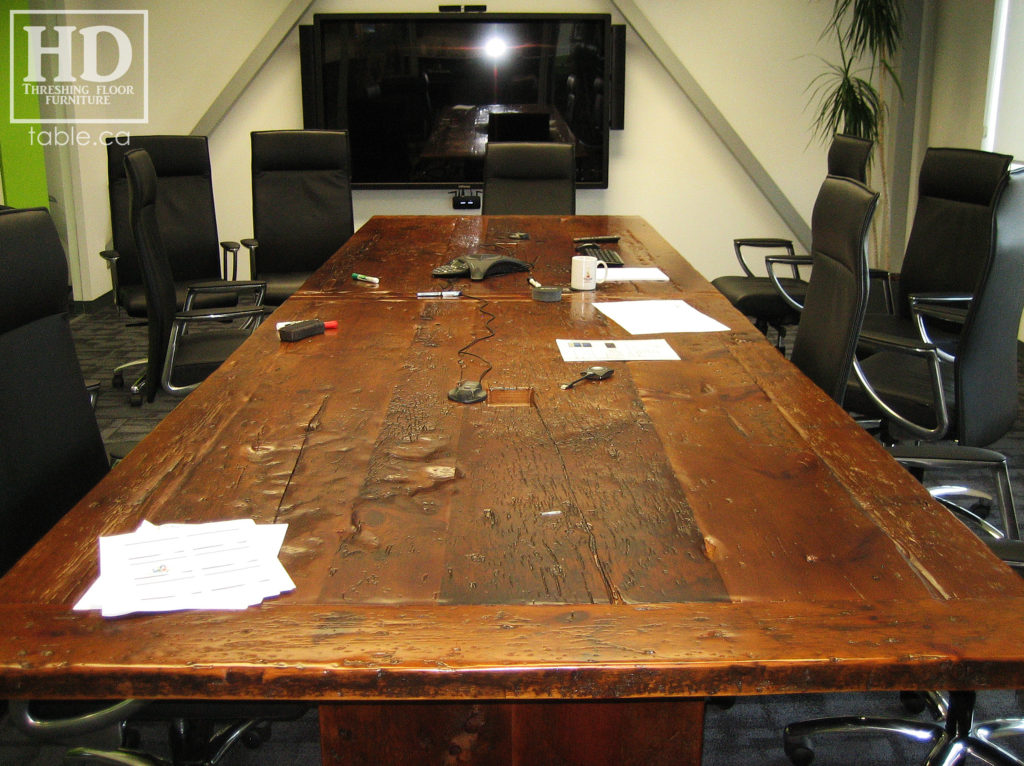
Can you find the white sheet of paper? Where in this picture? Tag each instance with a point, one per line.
(649, 317)
(219, 565)
(636, 274)
(615, 350)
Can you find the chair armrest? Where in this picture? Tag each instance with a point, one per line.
(791, 260)
(256, 288)
(899, 343)
(947, 314)
(111, 256)
(946, 307)
(228, 246)
(888, 280)
(940, 298)
(72, 726)
(911, 347)
(251, 244)
(764, 242)
(93, 389)
(219, 315)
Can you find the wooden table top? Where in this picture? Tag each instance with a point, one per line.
(714, 525)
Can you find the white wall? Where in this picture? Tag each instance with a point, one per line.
(754, 59)
(194, 48)
(667, 165)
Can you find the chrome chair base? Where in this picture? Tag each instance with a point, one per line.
(952, 739)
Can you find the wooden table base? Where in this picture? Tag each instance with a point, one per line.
(549, 733)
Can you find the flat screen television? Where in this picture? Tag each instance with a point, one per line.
(419, 94)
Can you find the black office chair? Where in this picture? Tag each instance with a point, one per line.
(186, 215)
(837, 293)
(51, 455)
(957, 408)
(529, 178)
(909, 387)
(47, 425)
(301, 205)
(756, 296)
(180, 356)
(949, 243)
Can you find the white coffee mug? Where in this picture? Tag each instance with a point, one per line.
(584, 272)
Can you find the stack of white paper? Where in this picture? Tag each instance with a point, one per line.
(658, 316)
(635, 274)
(220, 565)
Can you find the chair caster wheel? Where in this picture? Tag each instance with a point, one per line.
(982, 508)
(118, 380)
(799, 751)
(256, 735)
(135, 399)
(913, 702)
(131, 739)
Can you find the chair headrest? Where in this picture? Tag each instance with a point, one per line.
(964, 175)
(33, 268)
(171, 155)
(848, 157)
(300, 150)
(529, 159)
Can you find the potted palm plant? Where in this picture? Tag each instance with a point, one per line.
(850, 94)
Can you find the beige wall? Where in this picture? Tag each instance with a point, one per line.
(963, 31)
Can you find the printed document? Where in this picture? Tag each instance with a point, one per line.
(615, 350)
(219, 565)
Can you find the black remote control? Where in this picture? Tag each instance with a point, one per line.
(299, 330)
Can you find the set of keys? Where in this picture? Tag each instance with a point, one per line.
(591, 373)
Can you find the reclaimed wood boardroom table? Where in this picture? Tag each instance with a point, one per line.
(550, 576)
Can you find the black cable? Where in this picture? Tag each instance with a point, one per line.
(482, 304)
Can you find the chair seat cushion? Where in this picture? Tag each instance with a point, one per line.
(757, 297)
(133, 299)
(903, 327)
(280, 287)
(200, 353)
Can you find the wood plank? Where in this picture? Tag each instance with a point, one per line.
(286, 651)
(617, 733)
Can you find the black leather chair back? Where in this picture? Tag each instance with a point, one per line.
(301, 198)
(837, 293)
(51, 452)
(143, 213)
(848, 157)
(185, 210)
(951, 236)
(985, 370)
(529, 178)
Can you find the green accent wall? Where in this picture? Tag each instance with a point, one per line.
(21, 159)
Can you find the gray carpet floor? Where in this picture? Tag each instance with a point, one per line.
(748, 732)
